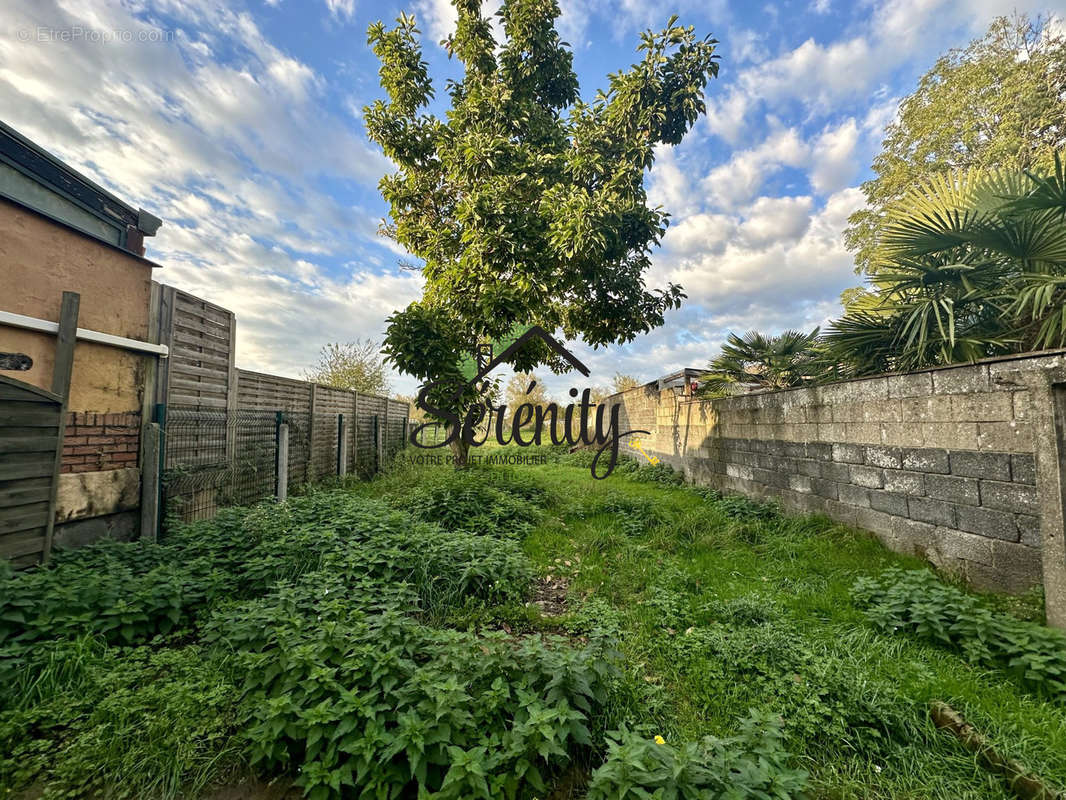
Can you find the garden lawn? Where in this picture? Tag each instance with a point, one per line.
(516, 632)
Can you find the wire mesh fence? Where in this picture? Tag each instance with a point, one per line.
(216, 459)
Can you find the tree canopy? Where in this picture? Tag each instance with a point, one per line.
(999, 103)
(756, 360)
(357, 365)
(525, 203)
(971, 264)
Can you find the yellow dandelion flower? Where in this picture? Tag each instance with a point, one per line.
(659, 739)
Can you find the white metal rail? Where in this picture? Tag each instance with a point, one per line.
(44, 326)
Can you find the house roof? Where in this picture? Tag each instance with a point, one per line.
(81, 194)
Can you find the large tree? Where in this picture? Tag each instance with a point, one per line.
(971, 264)
(526, 204)
(357, 365)
(998, 103)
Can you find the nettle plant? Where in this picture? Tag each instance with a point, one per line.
(753, 764)
(916, 602)
(525, 203)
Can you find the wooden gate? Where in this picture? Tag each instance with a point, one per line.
(30, 429)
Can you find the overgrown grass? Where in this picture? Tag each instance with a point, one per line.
(384, 635)
(725, 605)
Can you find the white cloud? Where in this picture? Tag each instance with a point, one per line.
(228, 154)
(784, 256)
(342, 10)
(700, 233)
(775, 220)
(739, 180)
(835, 161)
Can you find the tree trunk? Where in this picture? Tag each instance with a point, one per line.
(459, 449)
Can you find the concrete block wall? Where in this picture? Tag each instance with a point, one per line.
(940, 464)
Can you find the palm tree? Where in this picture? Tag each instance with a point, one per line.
(970, 265)
(765, 362)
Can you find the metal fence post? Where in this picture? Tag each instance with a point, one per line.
(281, 485)
(342, 445)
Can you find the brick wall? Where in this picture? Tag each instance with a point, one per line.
(97, 442)
(938, 464)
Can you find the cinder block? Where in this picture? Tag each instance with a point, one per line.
(831, 431)
(1022, 404)
(863, 432)
(956, 545)
(983, 407)
(908, 536)
(873, 520)
(1017, 497)
(849, 453)
(970, 464)
(820, 413)
(936, 512)
(962, 491)
(901, 434)
(1029, 530)
(868, 477)
(1017, 567)
(853, 495)
(735, 471)
(910, 385)
(921, 459)
(834, 471)
(778, 480)
(903, 482)
(886, 457)
(888, 502)
(927, 409)
(950, 435)
(987, 522)
(822, 451)
(962, 380)
(824, 488)
(884, 410)
(1011, 436)
(1023, 468)
(841, 512)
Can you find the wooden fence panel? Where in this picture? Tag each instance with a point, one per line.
(201, 337)
(29, 437)
(200, 376)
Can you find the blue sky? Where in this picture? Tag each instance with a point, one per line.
(239, 125)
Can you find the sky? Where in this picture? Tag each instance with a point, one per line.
(239, 124)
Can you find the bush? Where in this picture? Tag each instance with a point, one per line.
(482, 501)
(391, 706)
(753, 764)
(298, 634)
(916, 602)
(658, 473)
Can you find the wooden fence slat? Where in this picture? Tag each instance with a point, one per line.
(24, 518)
(45, 443)
(17, 546)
